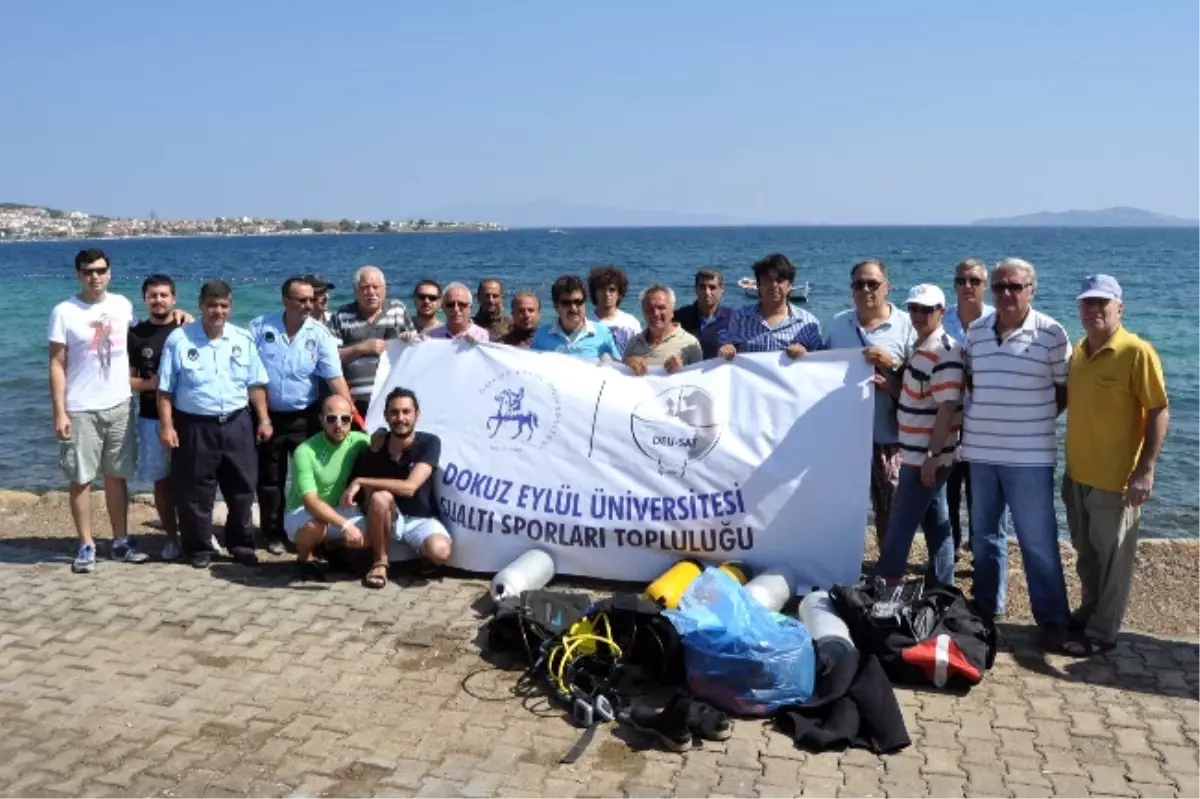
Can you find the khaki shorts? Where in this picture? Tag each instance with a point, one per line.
(102, 443)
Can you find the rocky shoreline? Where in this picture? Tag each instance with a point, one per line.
(1165, 601)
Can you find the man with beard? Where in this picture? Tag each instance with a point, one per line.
(526, 312)
(427, 299)
(573, 333)
(491, 316)
(706, 317)
(146, 340)
(773, 323)
(393, 486)
(321, 290)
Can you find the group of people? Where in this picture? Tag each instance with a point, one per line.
(966, 401)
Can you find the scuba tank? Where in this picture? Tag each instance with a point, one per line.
(771, 588)
(829, 633)
(667, 589)
(529, 572)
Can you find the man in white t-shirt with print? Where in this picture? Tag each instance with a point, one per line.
(90, 393)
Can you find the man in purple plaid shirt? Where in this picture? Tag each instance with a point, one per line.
(773, 323)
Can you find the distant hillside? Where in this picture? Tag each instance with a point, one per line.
(1107, 217)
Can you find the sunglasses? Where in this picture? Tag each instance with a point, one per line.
(1011, 288)
(427, 298)
(456, 304)
(868, 285)
(99, 270)
(921, 309)
(572, 303)
(968, 281)
(334, 418)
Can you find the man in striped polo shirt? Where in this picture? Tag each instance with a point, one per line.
(364, 328)
(1017, 361)
(929, 416)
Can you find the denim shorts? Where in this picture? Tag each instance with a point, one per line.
(410, 530)
(154, 460)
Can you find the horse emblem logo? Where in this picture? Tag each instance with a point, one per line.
(509, 410)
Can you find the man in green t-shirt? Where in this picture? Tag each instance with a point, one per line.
(320, 470)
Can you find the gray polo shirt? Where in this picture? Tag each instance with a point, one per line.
(895, 336)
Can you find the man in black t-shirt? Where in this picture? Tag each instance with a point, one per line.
(145, 342)
(393, 486)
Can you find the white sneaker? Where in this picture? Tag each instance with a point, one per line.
(125, 548)
(214, 544)
(171, 550)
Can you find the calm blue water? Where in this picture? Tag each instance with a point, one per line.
(1156, 267)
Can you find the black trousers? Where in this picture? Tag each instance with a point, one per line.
(291, 429)
(214, 451)
(958, 484)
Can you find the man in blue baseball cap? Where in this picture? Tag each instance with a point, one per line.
(1116, 422)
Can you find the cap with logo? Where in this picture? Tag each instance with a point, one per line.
(317, 282)
(927, 295)
(1101, 287)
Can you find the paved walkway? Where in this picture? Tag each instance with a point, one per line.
(159, 680)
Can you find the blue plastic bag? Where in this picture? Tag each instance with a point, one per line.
(741, 657)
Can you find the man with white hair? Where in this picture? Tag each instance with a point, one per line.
(1017, 360)
(364, 327)
(456, 304)
(663, 342)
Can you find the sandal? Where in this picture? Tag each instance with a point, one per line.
(377, 576)
(1085, 646)
(708, 722)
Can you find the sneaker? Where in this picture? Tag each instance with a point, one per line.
(171, 550)
(85, 559)
(125, 548)
(214, 544)
(244, 556)
(201, 560)
(707, 722)
(275, 547)
(671, 725)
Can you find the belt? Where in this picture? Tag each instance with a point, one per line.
(217, 419)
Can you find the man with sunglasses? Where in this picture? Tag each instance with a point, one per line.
(456, 303)
(929, 418)
(1115, 429)
(299, 354)
(884, 334)
(321, 469)
(1017, 364)
(427, 297)
(491, 316)
(970, 284)
(322, 288)
(572, 333)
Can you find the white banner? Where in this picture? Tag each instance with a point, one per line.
(763, 460)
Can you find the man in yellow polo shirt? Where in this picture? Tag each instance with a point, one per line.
(1116, 422)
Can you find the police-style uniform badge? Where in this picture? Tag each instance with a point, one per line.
(311, 346)
(237, 351)
(147, 352)
(193, 354)
(270, 337)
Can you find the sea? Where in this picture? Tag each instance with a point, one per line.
(1157, 269)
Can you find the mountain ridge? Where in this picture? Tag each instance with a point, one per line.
(1117, 216)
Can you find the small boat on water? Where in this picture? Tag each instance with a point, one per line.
(799, 292)
(557, 230)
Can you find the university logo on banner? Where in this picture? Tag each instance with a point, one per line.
(763, 460)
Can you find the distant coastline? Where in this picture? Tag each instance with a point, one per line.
(1105, 217)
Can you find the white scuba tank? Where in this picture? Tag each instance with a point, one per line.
(830, 635)
(771, 588)
(531, 571)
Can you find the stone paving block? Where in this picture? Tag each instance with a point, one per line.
(903, 788)
(1109, 779)
(819, 786)
(945, 762)
(1177, 758)
(861, 782)
(1089, 724)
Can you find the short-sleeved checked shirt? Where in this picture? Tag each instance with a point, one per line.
(748, 331)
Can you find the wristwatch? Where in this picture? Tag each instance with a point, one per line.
(261, 422)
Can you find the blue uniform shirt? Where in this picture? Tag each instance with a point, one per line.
(591, 341)
(896, 337)
(295, 367)
(206, 377)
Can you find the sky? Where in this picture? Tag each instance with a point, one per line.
(814, 112)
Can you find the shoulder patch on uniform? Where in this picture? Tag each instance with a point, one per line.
(193, 354)
(237, 350)
(270, 337)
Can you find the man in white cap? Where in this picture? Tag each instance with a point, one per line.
(929, 415)
(1116, 422)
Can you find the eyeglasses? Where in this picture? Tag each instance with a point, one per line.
(334, 418)
(1011, 288)
(968, 281)
(921, 309)
(427, 298)
(98, 271)
(575, 303)
(868, 285)
(456, 304)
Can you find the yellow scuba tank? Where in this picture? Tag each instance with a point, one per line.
(736, 570)
(668, 588)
